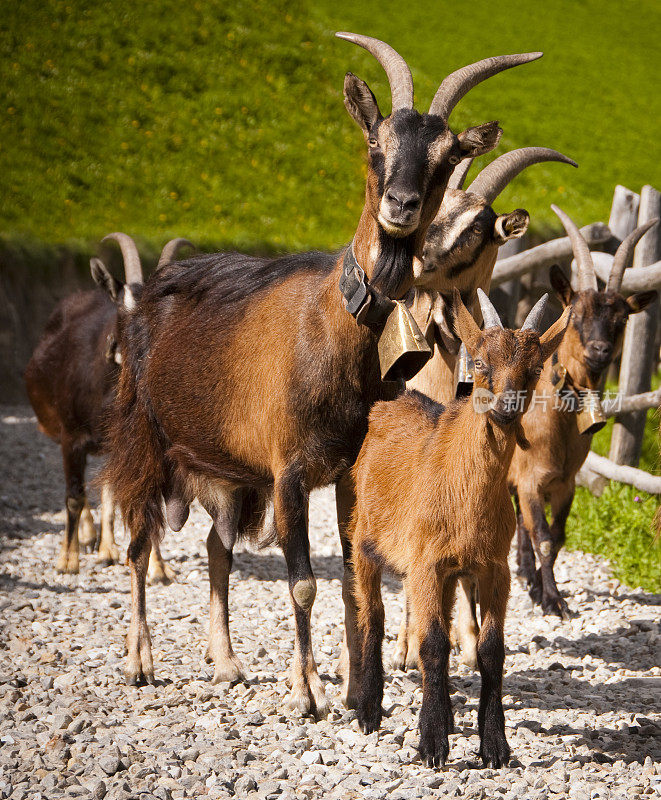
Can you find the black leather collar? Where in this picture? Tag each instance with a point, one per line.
(366, 304)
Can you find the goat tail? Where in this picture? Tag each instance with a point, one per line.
(135, 469)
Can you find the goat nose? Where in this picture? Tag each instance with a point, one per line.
(404, 200)
(601, 350)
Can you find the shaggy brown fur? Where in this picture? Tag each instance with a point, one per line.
(433, 505)
(246, 377)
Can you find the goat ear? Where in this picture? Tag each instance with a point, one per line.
(511, 226)
(479, 140)
(103, 279)
(561, 285)
(550, 339)
(637, 302)
(464, 325)
(360, 102)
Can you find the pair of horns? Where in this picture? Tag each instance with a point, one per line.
(451, 90)
(491, 181)
(587, 278)
(492, 320)
(132, 265)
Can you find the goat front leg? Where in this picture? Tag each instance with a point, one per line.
(494, 588)
(108, 553)
(74, 474)
(290, 505)
(227, 666)
(532, 508)
(139, 663)
(432, 598)
(348, 666)
(371, 622)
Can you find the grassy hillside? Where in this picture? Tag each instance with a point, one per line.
(224, 121)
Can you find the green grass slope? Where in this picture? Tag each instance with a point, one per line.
(224, 121)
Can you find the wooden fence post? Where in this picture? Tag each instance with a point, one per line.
(638, 356)
(622, 220)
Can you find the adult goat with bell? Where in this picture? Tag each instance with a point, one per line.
(561, 425)
(456, 519)
(70, 381)
(247, 378)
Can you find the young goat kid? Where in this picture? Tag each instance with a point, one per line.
(455, 518)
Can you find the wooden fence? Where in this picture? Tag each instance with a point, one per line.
(517, 271)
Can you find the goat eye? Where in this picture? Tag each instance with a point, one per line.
(480, 366)
(477, 229)
(373, 142)
(454, 160)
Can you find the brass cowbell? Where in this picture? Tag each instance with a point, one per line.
(403, 350)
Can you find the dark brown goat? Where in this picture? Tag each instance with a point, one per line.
(546, 472)
(454, 519)
(246, 377)
(71, 381)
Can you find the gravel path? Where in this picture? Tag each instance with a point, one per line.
(582, 697)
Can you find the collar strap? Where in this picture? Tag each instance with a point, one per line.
(366, 304)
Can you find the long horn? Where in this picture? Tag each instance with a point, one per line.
(489, 313)
(534, 318)
(457, 84)
(624, 254)
(171, 249)
(586, 275)
(132, 266)
(496, 175)
(459, 174)
(397, 70)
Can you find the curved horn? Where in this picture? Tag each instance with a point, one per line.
(624, 254)
(496, 175)
(397, 70)
(171, 249)
(458, 83)
(586, 275)
(489, 313)
(534, 318)
(459, 174)
(132, 266)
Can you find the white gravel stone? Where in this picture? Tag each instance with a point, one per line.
(581, 695)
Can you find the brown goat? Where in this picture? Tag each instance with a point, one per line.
(246, 377)
(460, 251)
(432, 504)
(546, 472)
(70, 381)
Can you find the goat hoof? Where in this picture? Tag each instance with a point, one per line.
(138, 677)
(160, 573)
(106, 558)
(555, 606)
(434, 747)
(412, 660)
(350, 699)
(299, 700)
(398, 660)
(228, 670)
(369, 714)
(69, 566)
(494, 750)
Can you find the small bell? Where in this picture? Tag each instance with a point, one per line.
(464, 376)
(403, 350)
(590, 417)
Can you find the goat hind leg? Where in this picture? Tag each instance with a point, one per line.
(87, 537)
(159, 571)
(227, 666)
(466, 628)
(139, 663)
(74, 474)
